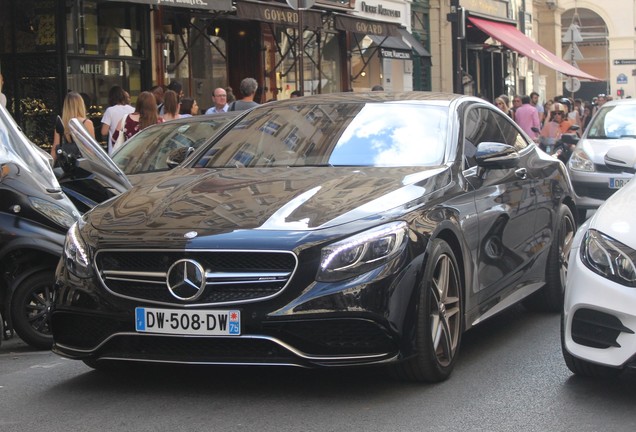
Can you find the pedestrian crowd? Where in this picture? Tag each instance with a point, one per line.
(545, 123)
(121, 120)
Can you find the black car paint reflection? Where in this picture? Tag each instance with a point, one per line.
(411, 217)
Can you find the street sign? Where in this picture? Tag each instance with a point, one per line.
(621, 79)
(572, 84)
(573, 34)
(301, 4)
(619, 62)
(573, 53)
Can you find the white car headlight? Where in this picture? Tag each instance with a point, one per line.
(52, 211)
(362, 252)
(580, 161)
(609, 258)
(76, 254)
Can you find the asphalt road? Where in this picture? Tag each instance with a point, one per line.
(510, 377)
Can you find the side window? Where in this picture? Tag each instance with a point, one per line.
(510, 134)
(480, 125)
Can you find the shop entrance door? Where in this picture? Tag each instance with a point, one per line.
(245, 57)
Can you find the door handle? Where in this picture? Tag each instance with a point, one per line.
(522, 173)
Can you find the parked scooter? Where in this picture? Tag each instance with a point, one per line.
(566, 144)
(562, 147)
(34, 217)
(39, 204)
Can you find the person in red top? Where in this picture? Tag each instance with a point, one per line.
(145, 115)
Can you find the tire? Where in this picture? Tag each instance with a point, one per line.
(550, 297)
(30, 309)
(582, 367)
(439, 319)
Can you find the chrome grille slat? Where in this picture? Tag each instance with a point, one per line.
(231, 276)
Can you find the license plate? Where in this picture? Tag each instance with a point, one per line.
(188, 322)
(615, 183)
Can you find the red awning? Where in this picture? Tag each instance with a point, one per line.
(509, 36)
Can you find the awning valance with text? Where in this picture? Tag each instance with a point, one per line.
(277, 14)
(208, 5)
(509, 36)
(365, 26)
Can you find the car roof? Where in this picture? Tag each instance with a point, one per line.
(372, 96)
(613, 102)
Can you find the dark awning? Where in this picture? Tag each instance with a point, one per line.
(209, 5)
(392, 47)
(277, 14)
(415, 44)
(509, 36)
(365, 26)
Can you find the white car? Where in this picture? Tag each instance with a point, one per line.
(598, 326)
(593, 179)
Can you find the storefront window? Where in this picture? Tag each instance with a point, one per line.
(194, 51)
(366, 67)
(94, 79)
(30, 22)
(103, 28)
(330, 64)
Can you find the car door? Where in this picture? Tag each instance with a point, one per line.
(505, 201)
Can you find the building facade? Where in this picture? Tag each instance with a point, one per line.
(49, 47)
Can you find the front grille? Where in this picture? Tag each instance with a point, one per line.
(607, 169)
(83, 331)
(232, 276)
(596, 329)
(597, 192)
(334, 337)
(196, 349)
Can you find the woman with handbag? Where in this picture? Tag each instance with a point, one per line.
(118, 108)
(145, 115)
(74, 107)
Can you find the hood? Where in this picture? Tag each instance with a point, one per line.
(615, 217)
(596, 148)
(281, 198)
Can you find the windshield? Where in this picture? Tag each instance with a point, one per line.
(149, 149)
(336, 134)
(613, 122)
(16, 148)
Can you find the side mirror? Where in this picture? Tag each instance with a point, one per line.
(494, 155)
(574, 127)
(622, 157)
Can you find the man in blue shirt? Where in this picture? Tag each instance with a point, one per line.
(220, 102)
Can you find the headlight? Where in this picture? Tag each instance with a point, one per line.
(609, 258)
(362, 252)
(76, 254)
(580, 161)
(52, 211)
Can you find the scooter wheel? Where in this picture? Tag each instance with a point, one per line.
(30, 309)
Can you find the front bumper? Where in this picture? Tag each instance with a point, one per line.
(599, 317)
(592, 188)
(355, 322)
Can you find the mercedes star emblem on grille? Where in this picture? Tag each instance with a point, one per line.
(186, 279)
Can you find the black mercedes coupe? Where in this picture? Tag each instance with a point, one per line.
(331, 230)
